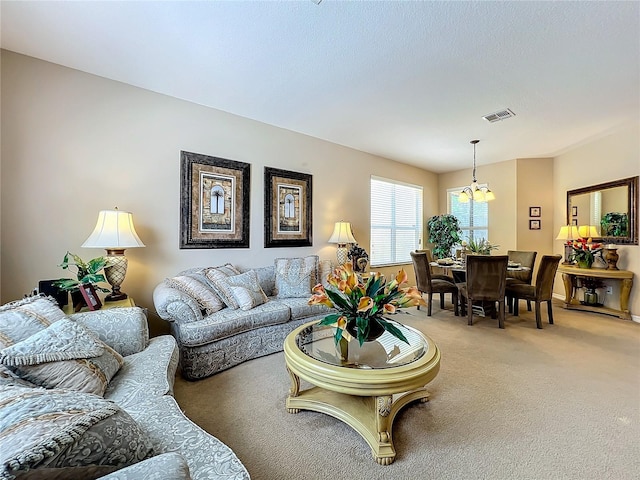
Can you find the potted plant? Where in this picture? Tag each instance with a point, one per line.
(362, 306)
(86, 272)
(614, 224)
(480, 247)
(584, 253)
(444, 233)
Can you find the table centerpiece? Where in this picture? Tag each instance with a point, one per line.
(362, 305)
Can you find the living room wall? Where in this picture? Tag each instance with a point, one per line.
(74, 144)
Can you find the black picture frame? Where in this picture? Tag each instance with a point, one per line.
(288, 218)
(535, 211)
(534, 225)
(209, 223)
(574, 211)
(90, 296)
(574, 221)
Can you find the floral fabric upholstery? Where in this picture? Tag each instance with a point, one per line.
(23, 318)
(53, 430)
(243, 288)
(266, 278)
(228, 322)
(167, 466)
(207, 457)
(295, 277)
(300, 307)
(126, 330)
(197, 286)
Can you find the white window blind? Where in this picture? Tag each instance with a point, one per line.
(396, 221)
(473, 217)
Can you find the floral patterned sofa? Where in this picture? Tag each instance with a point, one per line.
(222, 316)
(90, 396)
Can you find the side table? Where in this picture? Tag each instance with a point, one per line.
(127, 302)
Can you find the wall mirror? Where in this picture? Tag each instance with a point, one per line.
(607, 212)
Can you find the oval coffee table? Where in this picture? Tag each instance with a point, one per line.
(366, 386)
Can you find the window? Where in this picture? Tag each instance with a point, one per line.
(396, 221)
(472, 216)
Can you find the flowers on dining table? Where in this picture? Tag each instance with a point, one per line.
(363, 303)
(584, 252)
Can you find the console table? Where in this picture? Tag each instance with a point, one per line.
(569, 275)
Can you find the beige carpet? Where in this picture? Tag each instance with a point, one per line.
(518, 403)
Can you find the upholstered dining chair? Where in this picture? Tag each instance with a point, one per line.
(435, 276)
(526, 260)
(540, 292)
(429, 285)
(486, 282)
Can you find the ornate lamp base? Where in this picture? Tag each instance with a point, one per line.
(115, 273)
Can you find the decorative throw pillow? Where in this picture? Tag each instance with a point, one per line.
(64, 434)
(295, 277)
(64, 355)
(214, 274)
(244, 289)
(325, 268)
(198, 290)
(22, 318)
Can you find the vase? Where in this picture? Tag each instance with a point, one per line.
(611, 257)
(375, 329)
(585, 263)
(590, 297)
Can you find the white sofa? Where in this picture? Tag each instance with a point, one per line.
(175, 447)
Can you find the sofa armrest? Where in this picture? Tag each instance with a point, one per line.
(173, 305)
(124, 329)
(168, 466)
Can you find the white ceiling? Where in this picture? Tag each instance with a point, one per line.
(405, 80)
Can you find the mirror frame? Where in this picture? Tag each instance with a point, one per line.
(632, 207)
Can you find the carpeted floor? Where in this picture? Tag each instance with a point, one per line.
(518, 403)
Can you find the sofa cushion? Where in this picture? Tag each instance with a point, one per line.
(215, 274)
(228, 322)
(244, 289)
(266, 278)
(196, 286)
(64, 434)
(21, 319)
(167, 466)
(300, 308)
(64, 355)
(295, 277)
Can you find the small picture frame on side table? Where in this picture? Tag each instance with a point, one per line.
(90, 296)
(534, 224)
(534, 211)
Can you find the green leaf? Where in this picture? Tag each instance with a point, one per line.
(96, 264)
(329, 319)
(338, 299)
(393, 330)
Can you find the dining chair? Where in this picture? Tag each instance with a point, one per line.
(542, 291)
(526, 260)
(425, 283)
(486, 282)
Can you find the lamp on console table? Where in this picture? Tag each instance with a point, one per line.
(342, 236)
(114, 232)
(568, 233)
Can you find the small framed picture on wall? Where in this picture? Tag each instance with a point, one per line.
(534, 224)
(534, 211)
(574, 221)
(574, 211)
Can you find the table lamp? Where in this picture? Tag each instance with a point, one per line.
(568, 233)
(114, 232)
(342, 236)
(588, 232)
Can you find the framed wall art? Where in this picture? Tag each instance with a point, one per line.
(534, 224)
(214, 202)
(287, 208)
(574, 211)
(534, 211)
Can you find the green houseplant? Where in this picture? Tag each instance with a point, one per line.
(614, 224)
(86, 272)
(444, 233)
(481, 246)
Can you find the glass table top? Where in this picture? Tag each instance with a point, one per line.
(387, 351)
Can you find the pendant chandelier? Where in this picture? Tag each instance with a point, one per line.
(474, 191)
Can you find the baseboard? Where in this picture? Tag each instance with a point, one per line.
(559, 296)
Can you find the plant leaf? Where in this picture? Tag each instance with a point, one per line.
(393, 330)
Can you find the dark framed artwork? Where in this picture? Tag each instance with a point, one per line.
(574, 221)
(534, 211)
(534, 224)
(574, 211)
(90, 297)
(214, 202)
(287, 208)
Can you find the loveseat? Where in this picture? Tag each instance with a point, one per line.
(222, 316)
(90, 396)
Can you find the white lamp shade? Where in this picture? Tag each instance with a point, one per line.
(568, 232)
(587, 231)
(342, 233)
(114, 229)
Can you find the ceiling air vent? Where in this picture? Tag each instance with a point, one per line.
(497, 116)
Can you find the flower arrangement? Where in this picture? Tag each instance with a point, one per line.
(361, 306)
(584, 253)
